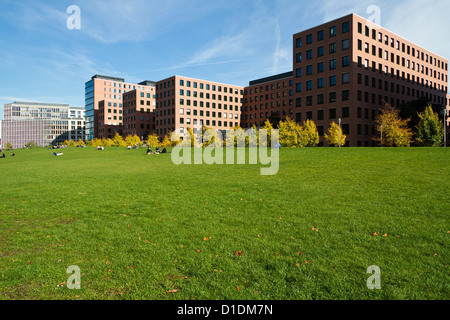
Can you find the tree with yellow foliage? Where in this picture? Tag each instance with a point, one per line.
(333, 134)
(393, 130)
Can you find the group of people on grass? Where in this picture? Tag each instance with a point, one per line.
(2, 156)
(157, 151)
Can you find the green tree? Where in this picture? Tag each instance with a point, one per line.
(430, 130)
(332, 136)
(393, 129)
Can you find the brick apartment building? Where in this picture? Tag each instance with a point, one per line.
(110, 90)
(183, 103)
(349, 68)
(267, 96)
(139, 112)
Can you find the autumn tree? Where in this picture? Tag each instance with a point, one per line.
(430, 130)
(117, 141)
(81, 143)
(153, 140)
(268, 126)
(393, 130)
(311, 133)
(132, 140)
(332, 136)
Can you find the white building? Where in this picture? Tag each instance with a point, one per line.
(41, 123)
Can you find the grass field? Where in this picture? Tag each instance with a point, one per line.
(139, 227)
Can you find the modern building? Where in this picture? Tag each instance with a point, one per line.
(110, 90)
(268, 97)
(41, 123)
(139, 112)
(349, 68)
(183, 103)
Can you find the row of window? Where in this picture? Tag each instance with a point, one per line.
(377, 35)
(402, 75)
(201, 86)
(321, 51)
(407, 63)
(279, 85)
(332, 32)
(213, 96)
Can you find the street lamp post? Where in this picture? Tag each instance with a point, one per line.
(445, 127)
(340, 132)
(381, 135)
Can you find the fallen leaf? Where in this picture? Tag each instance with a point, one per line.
(238, 288)
(238, 253)
(173, 291)
(385, 235)
(307, 261)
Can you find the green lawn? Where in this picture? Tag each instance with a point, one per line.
(139, 227)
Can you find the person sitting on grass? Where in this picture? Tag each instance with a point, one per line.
(164, 150)
(149, 151)
(13, 155)
(157, 150)
(58, 154)
(3, 155)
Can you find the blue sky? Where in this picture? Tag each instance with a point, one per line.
(232, 41)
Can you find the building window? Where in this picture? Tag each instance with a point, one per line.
(332, 97)
(346, 27)
(332, 81)
(309, 55)
(345, 112)
(309, 39)
(333, 47)
(332, 31)
(320, 115)
(332, 113)
(345, 78)
(345, 44)
(320, 52)
(320, 83)
(345, 95)
(320, 67)
(299, 57)
(346, 61)
(320, 35)
(333, 64)
(298, 42)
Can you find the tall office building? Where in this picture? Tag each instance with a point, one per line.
(183, 103)
(110, 90)
(42, 123)
(349, 68)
